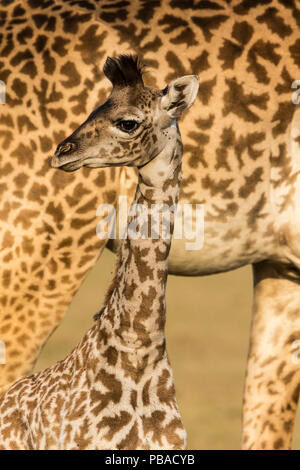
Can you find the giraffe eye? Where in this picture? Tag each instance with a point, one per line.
(128, 125)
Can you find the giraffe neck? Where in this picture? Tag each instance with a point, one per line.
(135, 304)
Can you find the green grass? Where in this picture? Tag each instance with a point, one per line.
(208, 322)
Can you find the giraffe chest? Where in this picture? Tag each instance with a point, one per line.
(114, 412)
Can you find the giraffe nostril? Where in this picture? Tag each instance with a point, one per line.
(65, 148)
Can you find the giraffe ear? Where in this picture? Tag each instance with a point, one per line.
(180, 95)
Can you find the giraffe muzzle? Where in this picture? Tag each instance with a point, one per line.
(65, 166)
(64, 157)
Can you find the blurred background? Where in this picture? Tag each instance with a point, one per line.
(208, 324)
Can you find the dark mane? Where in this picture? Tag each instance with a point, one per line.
(124, 70)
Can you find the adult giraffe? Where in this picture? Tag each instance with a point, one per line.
(241, 160)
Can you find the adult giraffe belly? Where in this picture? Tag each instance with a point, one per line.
(213, 258)
(226, 213)
(227, 220)
(220, 246)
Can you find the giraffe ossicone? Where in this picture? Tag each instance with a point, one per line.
(116, 390)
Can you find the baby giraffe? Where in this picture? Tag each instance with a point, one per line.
(116, 390)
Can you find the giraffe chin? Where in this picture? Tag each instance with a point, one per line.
(70, 167)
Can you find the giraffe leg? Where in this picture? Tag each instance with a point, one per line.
(273, 371)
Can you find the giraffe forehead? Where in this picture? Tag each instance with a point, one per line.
(122, 104)
(140, 97)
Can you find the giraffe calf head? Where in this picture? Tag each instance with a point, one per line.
(130, 128)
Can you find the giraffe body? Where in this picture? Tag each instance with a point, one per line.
(241, 161)
(116, 390)
(82, 404)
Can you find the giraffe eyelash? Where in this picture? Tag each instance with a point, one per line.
(128, 125)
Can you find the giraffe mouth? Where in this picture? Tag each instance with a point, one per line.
(88, 162)
(70, 167)
(65, 166)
